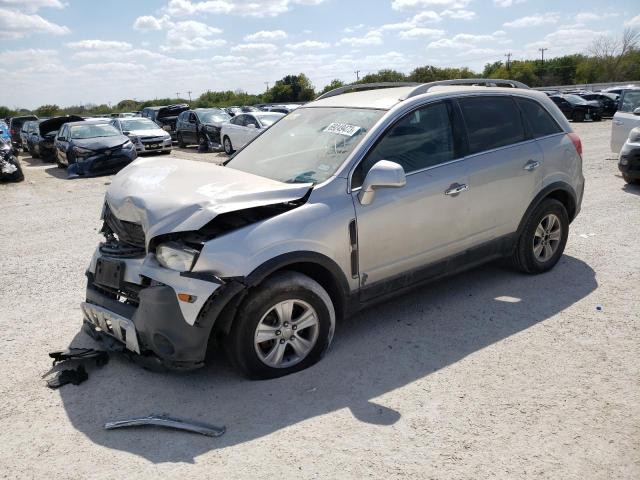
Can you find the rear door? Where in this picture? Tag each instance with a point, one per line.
(504, 166)
(252, 128)
(624, 119)
(61, 144)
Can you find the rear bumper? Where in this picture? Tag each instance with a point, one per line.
(154, 325)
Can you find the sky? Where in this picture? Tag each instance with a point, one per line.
(71, 52)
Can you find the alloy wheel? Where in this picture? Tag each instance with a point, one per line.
(286, 334)
(547, 238)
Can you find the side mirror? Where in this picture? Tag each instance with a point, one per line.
(252, 125)
(636, 111)
(384, 174)
(126, 133)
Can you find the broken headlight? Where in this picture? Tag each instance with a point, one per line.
(82, 152)
(175, 256)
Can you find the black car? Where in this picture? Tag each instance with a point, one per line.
(577, 108)
(93, 147)
(15, 125)
(47, 132)
(10, 170)
(31, 137)
(608, 102)
(166, 116)
(200, 125)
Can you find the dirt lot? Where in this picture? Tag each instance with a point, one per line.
(490, 374)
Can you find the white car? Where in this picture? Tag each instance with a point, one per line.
(626, 118)
(145, 134)
(243, 128)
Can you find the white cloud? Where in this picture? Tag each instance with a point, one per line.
(507, 3)
(373, 37)
(266, 35)
(533, 20)
(245, 8)
(258, 48)
(415, 4)
(354, 28)
(459, 14)
(26, 56)
(31, 6)
(15, 24)
(308, 45)
(467, 41)
(99, 45)
(421, 32)
(148, 23)
(634, 22)
(190, 35)
(565, 41)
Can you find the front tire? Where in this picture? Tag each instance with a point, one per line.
(629, 180)
(285, 325)
(543, 238)
(228, 148)
(181, 143)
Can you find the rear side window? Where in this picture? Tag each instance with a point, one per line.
(630, 100)
(492, 122)
(541, 123)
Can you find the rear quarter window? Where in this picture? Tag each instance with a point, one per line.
(540, 122)
(491, 122)
(630, 100)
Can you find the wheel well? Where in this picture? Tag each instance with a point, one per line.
(324, 277)
(566, 199)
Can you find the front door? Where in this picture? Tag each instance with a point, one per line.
(624, 119)
(405, 232)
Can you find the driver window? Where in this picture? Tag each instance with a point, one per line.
(192, 118)
(249, 120)
(238, 120)
(422, 139)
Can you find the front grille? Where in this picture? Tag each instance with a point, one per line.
(149, 140)
(126, 232)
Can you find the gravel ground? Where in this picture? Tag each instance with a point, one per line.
(489, 374)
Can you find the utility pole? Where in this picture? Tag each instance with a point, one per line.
(189, 92)
(357, 72)
(542, 50)
(267, 84)
(508, 55)
(178, 95)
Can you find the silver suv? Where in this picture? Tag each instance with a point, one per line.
(342, 203)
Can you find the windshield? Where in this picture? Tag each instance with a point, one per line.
(268, 120)
(138, 124)
(80, 132)
(213, 117)
(308, 145)
(575, 99)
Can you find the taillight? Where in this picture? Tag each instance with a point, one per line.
(575, 139)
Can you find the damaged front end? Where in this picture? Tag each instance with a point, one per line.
(142, 290)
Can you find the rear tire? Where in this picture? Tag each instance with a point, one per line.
(226, 143)
(543, 238)
(629, 180)
(283, 326)
(181, 143)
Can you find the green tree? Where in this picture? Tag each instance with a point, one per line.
(386, 75)
(47, 110)
(6, 112)
(292, 88)
(332, 86)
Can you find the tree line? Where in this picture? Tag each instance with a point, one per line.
(608, 59)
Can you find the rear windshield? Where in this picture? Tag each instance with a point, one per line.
(575, 99)
(80, 132)
(138, 124)
(268, 120)
(215, 116)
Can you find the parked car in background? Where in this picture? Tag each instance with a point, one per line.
(4, 132)
(577, 108)
(26, 130)
(626, 118)
(629, 158)
(199, 125)
(145, 134)
(166, 116)
(10, 169)
(607, 101)
(93, 147)
(233, 111)
(15, 125)
(47, 133)
(243, 128)
(33, 138)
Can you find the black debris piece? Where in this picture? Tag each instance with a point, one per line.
(101, 357)
(75, 377)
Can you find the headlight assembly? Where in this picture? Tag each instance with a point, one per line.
(210, 128)
(82, 152)
(175, 256)
(634, 135)
(128, 145)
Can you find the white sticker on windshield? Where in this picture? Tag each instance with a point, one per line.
(342, 129)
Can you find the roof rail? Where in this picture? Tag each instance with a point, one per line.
(483, 82)
(365, 86)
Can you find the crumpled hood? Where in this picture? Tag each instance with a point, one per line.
(168, 195)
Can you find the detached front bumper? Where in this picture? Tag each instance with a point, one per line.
(146, 316)
(102, 164)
